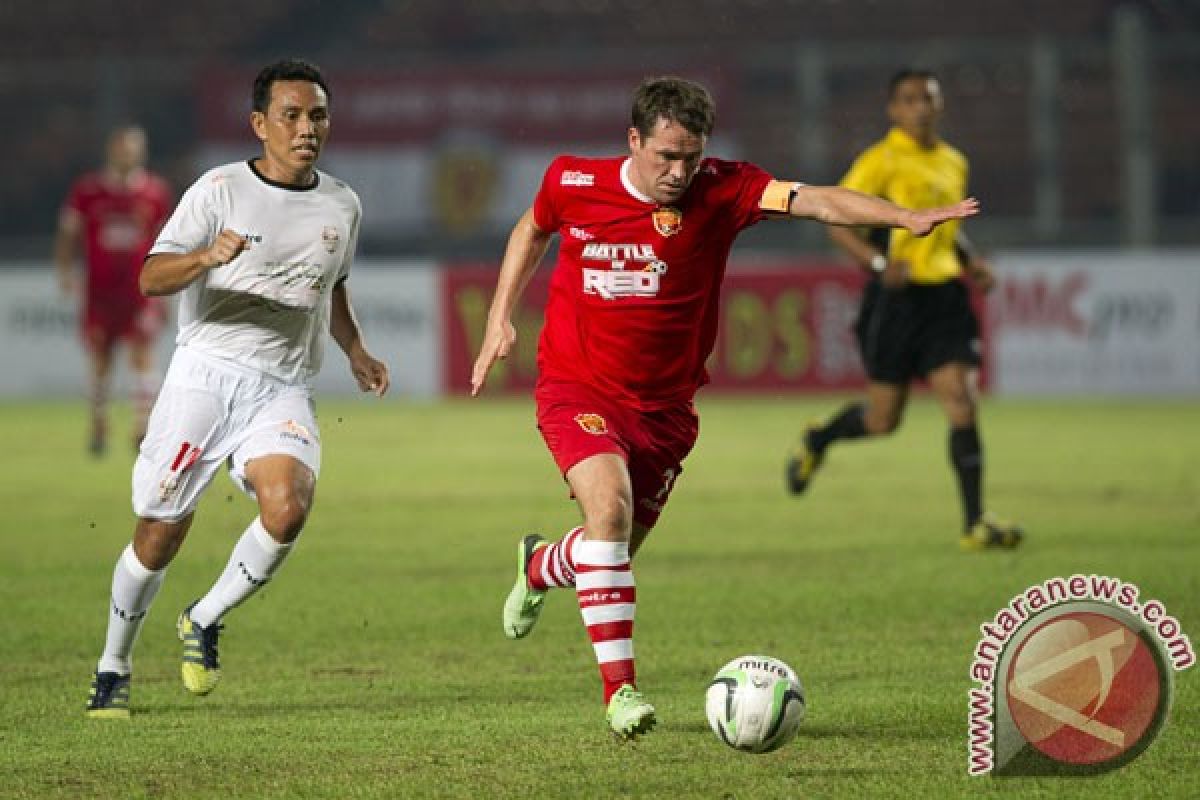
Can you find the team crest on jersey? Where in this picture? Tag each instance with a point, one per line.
(668, 220)
(592, 423)
(330, 238)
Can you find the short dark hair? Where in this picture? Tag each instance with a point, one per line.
(675, 99)
(908, 74)
(289, 69)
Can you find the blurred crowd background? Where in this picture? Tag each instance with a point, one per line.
(1080, 117)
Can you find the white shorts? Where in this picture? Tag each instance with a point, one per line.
(211, 411)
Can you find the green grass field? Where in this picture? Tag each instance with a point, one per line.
(374, 664)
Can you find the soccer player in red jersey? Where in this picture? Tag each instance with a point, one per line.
(630, 321)
(116, 213)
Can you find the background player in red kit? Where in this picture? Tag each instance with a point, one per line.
(116, 212)
(631, 318)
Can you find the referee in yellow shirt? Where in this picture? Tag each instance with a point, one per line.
(915, 320)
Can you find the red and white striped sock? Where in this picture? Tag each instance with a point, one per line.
(607, 598)
(553, 566)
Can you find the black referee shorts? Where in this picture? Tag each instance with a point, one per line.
(907, 333)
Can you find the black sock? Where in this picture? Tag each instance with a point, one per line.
(966, 454)
(848, 424)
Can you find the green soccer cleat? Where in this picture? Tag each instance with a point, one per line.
(200, 669)
(523, 605)
(803, 463)
(629, 715)
(109, 696)
(991, 533)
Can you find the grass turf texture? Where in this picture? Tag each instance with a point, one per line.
(375, 665)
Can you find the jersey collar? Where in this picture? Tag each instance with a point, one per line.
(289, 187)
(136, 177)
(899, 138)
(628, 184)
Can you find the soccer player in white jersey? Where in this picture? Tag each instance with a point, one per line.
(259, 251)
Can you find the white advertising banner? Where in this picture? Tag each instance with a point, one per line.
(43, 353)
(398, 305)
(1106, 322)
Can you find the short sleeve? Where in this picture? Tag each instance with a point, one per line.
(752, 181)
(547, 211)
(352, 244)
(867, 174)
(194, 223)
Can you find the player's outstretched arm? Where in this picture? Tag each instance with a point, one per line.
(370, 373)
(167, 273)
(526, 246)
(834, 205)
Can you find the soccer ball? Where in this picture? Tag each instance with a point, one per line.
(755, 704)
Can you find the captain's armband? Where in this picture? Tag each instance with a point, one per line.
(777, 197)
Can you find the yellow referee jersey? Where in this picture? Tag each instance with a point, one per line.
(898, 169)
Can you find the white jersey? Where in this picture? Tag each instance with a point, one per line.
(268, 309)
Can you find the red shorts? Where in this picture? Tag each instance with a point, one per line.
(106, 322)
(578, 422)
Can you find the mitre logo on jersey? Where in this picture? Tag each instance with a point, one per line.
(592, 423)
(330, 238)
(296, 432)
(643, 280)
(573, 177)
(668, 220)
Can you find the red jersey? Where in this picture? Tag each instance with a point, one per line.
(119, 224)
(634, 296)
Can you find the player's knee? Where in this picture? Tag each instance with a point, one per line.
(960, 409)
(155, 542)
(881, 423)
(612, 516)
(283, 515)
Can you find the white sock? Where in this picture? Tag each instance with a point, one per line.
(254, 560)
(133, 590)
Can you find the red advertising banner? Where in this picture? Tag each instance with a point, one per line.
(783, 328)
(788, 328)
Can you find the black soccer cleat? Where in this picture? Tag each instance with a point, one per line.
(803, 463)
(109, 696)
